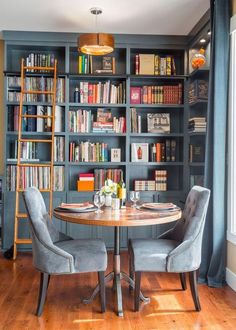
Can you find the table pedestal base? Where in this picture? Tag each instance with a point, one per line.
(117, 276)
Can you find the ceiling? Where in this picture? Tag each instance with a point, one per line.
(171, 17)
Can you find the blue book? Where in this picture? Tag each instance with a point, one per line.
(32, 110)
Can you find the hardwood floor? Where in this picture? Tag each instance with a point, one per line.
(170, 307)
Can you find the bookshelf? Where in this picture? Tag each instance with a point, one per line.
(123, 77)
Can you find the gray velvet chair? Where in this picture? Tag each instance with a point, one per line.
(54, 253)
(177, 250)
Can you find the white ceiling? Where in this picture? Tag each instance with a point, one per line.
(173, 17)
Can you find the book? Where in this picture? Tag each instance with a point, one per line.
(104, 115)
(115, 154)
(139, 152)
(158, 123)
(135, 95)
(107, 63)
(146, 64)
(196, 153)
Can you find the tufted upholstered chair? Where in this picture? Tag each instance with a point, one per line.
(54, 253)
(177, 250)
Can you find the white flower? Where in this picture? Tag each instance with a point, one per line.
(110, 188)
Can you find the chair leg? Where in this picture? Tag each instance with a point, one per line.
(183, 281)
(194, 290)
(131, 270)
(44, 282)
(101, 279)
(137, 291)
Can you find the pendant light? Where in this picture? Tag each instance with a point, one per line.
(96, 43)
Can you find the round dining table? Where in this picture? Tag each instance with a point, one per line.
(119, 218)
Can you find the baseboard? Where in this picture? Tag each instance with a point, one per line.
(231, 279)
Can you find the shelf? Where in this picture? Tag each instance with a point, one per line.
(98, 105)
(197, 164)
(197, 133)
(99, 75)
(198, 102)
(34, 163)
(34, 103)
(97, 163)
(34, 74)
(15, 133)
(158, 105)
(157, 164)
(166, 135)
(96, 134)
(199, 72)
(158, 77)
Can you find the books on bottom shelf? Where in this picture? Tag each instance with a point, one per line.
(159, 184)
(85, 182)
(38, 177)
(196, 179)
(101, 175)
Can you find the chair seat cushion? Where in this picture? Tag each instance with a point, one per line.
(89, 255)
(151, 254)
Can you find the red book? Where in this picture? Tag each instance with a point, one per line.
(86, 175)
(90, 93)
(135, 95)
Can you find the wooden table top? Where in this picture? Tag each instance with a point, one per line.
(120, 218)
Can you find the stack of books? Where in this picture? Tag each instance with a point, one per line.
(161, 180)
(144, 185)
(197, 124)
(85, 182)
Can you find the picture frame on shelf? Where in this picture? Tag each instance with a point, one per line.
(115, 155)
(158, 123)
(139, 152)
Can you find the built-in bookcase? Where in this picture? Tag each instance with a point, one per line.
(163, 93)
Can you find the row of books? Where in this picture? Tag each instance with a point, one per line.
(156, 122)
(197, 124)
(59, 149)
(29, 150)
(196, 179)
(198, 90)
(151, 64)
(39, 59)
(35, 124)
(86, 151)
(101, 175)
(100, 92)
(159, 152)
(83, 121)
(35, 176)
(36, 84)
(159, 184)
(86, 65)
(165, 94)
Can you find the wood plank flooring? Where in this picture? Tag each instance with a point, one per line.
(170, 307)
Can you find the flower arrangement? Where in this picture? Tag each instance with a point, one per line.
(110, 188)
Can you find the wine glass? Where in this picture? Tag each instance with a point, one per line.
(99, 201)
(134, 197)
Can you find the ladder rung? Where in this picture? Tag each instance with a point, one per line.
(35, 140)
(36, 116)
(23, 241)
(21, 215)
(37, 92)
(34, 165)
(41, 190)
(49, 68)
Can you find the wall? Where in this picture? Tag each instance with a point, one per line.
(1, 107)
(231, 247)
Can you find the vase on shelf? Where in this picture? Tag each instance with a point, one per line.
(108, 200)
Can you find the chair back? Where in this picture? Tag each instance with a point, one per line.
(43, 232)
(189, 232)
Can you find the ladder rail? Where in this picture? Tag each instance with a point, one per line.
(20, 165)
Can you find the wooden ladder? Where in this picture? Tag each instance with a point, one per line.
(20, 162)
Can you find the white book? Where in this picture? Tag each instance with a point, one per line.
(58, 119)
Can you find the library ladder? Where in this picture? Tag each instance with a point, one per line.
(21, 164)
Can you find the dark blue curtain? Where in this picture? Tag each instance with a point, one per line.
(212, 270)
